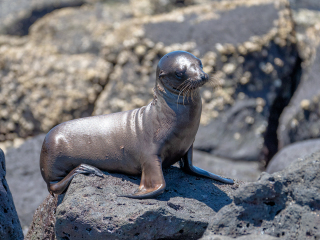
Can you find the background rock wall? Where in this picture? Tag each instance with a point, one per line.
(100, 59)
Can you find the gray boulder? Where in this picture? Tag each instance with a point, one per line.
(292, 153)
(91, 208)
(10, 228)
(285, 204)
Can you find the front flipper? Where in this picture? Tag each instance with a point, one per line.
(152, 182)
(186, 165)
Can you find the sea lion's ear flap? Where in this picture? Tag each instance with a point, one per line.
(161, 73)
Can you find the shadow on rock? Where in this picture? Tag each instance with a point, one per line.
(183, 185)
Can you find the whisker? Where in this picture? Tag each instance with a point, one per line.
(182, 90)
(184, 85)
(187, 87)
(185, 93)
(188, 90)
(184, 82)
(191, 92)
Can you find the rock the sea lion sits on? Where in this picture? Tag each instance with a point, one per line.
(140, 141)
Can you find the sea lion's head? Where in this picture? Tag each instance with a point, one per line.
(180, 72)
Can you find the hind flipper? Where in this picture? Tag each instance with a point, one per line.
(88, 169)
(152, 181)
(186, 165)
(59, 187)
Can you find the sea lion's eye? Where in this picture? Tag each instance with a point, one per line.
(179, 75)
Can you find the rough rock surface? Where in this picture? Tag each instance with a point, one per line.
(44, 219)
(255, 63)
(300, 119)
(91, 209)
(292, 153)
(23, 175)
(10, 228)
(54, 88)
(285, 204)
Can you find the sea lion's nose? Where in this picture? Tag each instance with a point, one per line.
(204, 77)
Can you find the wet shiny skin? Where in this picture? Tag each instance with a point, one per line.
(140, 141)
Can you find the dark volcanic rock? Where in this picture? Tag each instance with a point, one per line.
(300, 119)
(10, 228)
(292, 153)
(25, 180)
(91, 209)
(285, 204)
(254, 64)
(44, 219)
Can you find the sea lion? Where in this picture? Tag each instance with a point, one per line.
(140, 141)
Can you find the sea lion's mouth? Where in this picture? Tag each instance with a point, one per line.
(187, 90)
(191, 84)
(198, 83)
